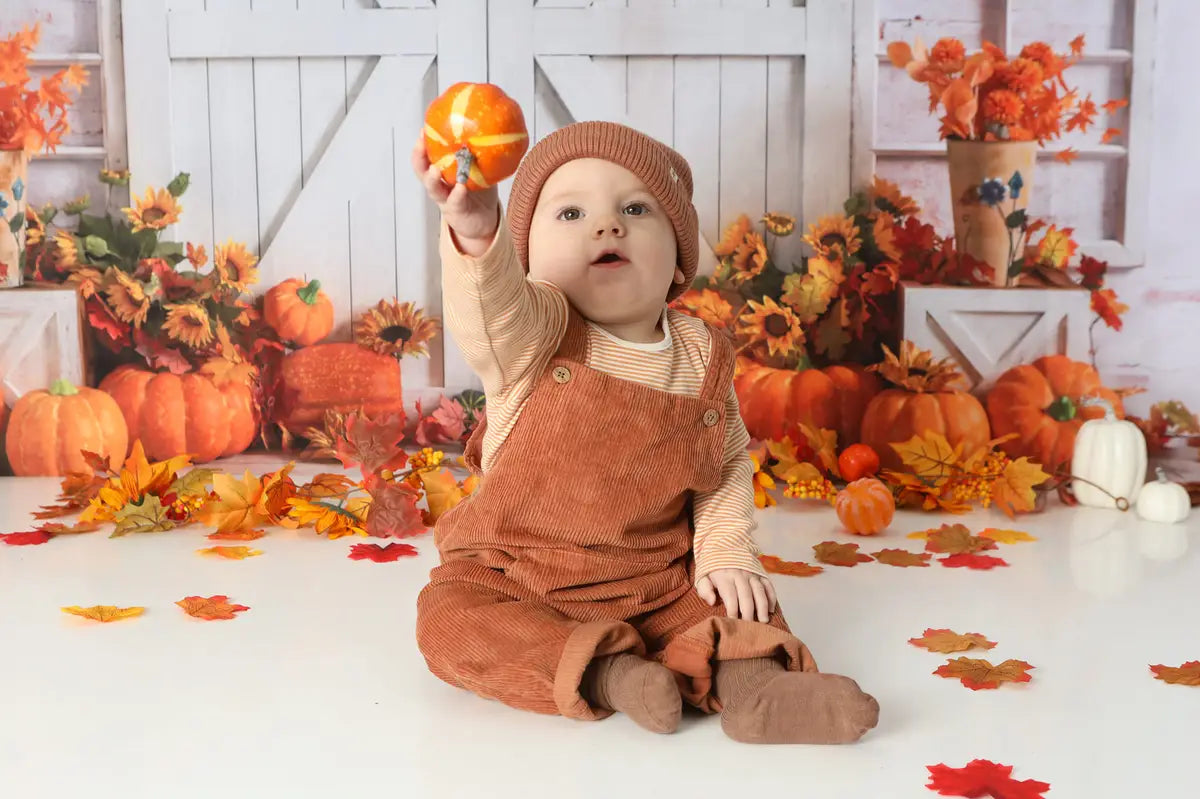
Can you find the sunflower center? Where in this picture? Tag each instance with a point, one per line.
(776, 325)
(153, 214)
(831, 239)
(393, 333)
(192, 321)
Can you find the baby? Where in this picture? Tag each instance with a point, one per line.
(605, 561)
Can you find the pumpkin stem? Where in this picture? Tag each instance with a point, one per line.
(1062, 409)
(1162, 475)
(63, 388)
(309, 293)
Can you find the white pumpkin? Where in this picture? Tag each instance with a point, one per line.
(1163, 501)
(1110, 454)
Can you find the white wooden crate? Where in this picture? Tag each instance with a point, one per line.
(41, 340)
(989, 330)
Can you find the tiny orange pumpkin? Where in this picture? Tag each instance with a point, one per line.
(299, 312)
(866, 506)
(479, 119)
(857, 460)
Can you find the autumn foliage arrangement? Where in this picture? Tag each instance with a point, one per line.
(33, 118)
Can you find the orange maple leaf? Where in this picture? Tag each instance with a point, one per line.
(326, 485)
(947, 641)
(1077, 45)
(1112, 106)
(232, 553)
(1013, 490)
(794, 568)
(239, 506)
(980, 674)
(824, 445)
(953, 539)
(1187, 674)
(1106, 305)
(836, 554)
(1109, 134)
(210, 608)
(104, 613)
(1006, 536)
(57, 528)
(443, 492)
(237, 535)
(1066, 155)
(902, 557)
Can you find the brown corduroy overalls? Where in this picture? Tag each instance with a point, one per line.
(577, 544)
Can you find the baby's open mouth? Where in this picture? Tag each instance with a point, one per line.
(610, 258)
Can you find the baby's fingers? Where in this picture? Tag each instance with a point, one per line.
(761, 610)
(434, 184)
(420, 157)
(771, 593)
(704, 588)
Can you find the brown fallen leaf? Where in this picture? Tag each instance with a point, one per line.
(237, 535)
(1186, 674)
(902, 557)
(980, 674)
(793, 568)
(955, 539)
(58, 528)
(104, 613)
(836, 554)
(210, 608)
(947, 641)
(232, 553)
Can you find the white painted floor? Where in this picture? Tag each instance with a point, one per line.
(318, 690)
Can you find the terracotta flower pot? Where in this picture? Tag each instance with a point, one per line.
(14, 177)
(990, 181)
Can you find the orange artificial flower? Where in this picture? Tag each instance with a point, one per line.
(884, 233)
(886, 196)
(733, 237)
(834, 237)
(706, 304)
(961, 104)
(948, 55)
(1002, 107)
(234, 265)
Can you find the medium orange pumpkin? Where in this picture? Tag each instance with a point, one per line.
(183, 414)
(48, 429)
(299, 312)
(482, 119)
(340, 376)
(1040, 402)
(923, 401)
(773, 401)
(866, 506)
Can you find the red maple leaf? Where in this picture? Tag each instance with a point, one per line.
(381, 554)
(446, 424)
(101, 317)
(973, 561)
(27, 538)
(1108, 307)
(372, 444)
(394, 510)
(983, 778)
(1091, 272)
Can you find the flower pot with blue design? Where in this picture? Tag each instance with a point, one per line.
(14, 175)
(990, 184)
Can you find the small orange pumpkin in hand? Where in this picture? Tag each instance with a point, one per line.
(865, 506)
(299, 312)
(479, 119)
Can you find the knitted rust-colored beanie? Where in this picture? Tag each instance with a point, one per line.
(665, 172)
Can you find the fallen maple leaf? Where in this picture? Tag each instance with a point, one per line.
(982, 778)
(793, 568)
(902, 557)
(385, 554)
(326, 485)
(836, 554)
(1186, 674)
(232, 553)
(953, 539)
(329, 519)
(824, 445)
(212, 607)
(104, 613)
(947, 641)
(442, 493)
(237, 535)
(24, 539)
(970, 560)
(980, 674)
(371, 444)
(1013, 490)
(57, 528)
(144, 516)
(78, 491)
(240, 504)
(1005, 536)
(394, 510)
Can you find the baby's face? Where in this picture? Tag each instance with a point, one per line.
(599, 235)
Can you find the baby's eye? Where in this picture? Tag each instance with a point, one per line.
(570, 214)
(637, 209)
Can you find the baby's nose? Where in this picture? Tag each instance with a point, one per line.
(609, 226)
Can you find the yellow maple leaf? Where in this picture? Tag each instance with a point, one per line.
(1013, 490)
(232, 553)
(930, 457)
(139, 476)
(1057, 246)
(789, 467)
(326, 518)
(442, 492)
(146, 515)
(240, 504)
(1006, 536)
(824, 444)
(808, 295)
(104, 613)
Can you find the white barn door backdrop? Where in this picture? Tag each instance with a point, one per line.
(295, 118)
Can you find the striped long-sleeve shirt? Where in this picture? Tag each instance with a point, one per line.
(508, 327)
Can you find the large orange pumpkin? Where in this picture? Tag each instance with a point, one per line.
(183, 414)
(48, 430)
(1041, 403)
(481, 118)
(775, 400)
(340, 376)
(299, 312)
(923, 401)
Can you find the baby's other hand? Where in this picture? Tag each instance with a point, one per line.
(472, 215)
(745, 594)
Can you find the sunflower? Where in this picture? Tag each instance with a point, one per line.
(775, 324)
(395, 328)
(115, 177)
(127, 297)
(88, 280)
(235, 266)
(1002, 107)
(67, 249)
(35, 230)
(834, 237)
(884, 233)
(749, 260)
(886, 196)
(189, 323)
(778, 224)
(733, 237)
(705, 304)
(154, 212)
(763, 482)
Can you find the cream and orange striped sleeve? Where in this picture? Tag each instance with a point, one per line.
(505, 324)
(724, 517)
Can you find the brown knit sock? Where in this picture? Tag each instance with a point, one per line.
(766, 704)
(641, 689)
